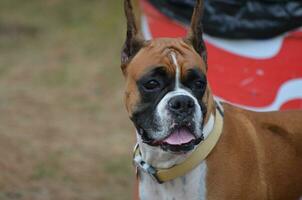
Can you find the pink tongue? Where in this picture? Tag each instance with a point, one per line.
(180, 136)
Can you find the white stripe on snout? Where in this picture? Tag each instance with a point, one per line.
(178, 91)
(177, 74)
(165, 119)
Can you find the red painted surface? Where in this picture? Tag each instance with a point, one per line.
(292, 104)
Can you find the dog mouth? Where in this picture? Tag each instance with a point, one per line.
(181, 139)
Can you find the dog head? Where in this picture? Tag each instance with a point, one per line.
(167, 95)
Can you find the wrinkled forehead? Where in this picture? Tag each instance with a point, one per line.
(157, 53)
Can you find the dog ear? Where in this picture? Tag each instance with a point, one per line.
(134, 40)
(196, 30)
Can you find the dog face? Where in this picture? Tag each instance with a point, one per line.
(167, 93)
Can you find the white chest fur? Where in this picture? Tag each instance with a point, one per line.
(192, 186)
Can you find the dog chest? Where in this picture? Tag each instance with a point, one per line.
(189, 187)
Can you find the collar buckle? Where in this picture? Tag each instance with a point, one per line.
(140, 164)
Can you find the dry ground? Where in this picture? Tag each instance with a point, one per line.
(64, 133)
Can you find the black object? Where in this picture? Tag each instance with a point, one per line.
(238, 19)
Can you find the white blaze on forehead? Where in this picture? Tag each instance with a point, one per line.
(177, 69)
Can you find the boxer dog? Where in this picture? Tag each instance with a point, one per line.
(190, 147)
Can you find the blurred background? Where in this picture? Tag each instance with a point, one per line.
(64, 132)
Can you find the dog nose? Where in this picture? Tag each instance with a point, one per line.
(181, 104)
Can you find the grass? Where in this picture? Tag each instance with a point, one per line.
(64, 133)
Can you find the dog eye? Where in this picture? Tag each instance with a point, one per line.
(199, 84)
(151, 85)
